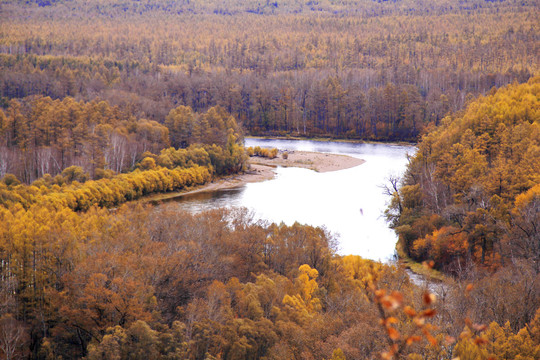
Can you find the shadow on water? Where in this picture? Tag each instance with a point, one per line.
(205, 200)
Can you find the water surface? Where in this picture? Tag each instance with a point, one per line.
(349, 203)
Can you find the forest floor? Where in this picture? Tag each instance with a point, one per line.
(261, 169)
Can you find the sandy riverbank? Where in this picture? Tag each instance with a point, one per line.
(262, 169)
(310, 160)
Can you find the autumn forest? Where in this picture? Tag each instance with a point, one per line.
(104, 103)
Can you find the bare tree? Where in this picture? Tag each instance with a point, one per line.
(115, 153)
(43, 158)
(391, 189)
(13, 337)
(7, 160)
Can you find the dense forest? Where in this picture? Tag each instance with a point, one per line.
(106, 102)
(379, 70)
(472, 191)
(40, 136)
(145, 281)
(84, 275)
(470, 199)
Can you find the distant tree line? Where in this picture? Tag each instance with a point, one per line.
(382, 75)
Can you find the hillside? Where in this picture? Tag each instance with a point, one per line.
(471, 193)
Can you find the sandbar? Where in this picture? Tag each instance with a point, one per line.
(261, 169)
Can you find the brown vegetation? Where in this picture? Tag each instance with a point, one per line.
(376, 70)
(93, 93)
(157, 281)
(471, 193)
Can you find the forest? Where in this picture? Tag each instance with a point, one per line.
(372, 70)
(144, 281)
(105, 102)
(472, 191)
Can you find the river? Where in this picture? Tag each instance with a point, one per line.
(349, 203)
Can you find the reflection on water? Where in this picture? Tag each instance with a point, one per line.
(349, 203)
(206, 200)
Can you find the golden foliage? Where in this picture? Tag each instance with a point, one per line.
(467, 176)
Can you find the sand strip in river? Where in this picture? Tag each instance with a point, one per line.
(262, 169)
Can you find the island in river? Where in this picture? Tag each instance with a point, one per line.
(261, 169)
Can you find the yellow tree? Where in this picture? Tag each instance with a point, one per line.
(305, 303)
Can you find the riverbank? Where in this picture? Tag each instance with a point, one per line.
(261, 169)
(421, 271)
